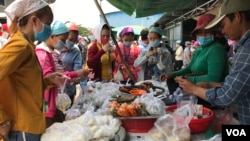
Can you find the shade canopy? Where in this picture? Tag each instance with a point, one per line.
(142, 8)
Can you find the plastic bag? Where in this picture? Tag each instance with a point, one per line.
(63, 101)
(155, 135)
(154, 105)
(118, 76)
(175, 126)
(223, 118)
(183, 98)
(72, 114)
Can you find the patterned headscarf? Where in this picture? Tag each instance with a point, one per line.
(21, 8)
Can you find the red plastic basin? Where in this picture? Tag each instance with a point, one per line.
(138, 124)
(197, 125)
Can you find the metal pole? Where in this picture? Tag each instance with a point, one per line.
(131, 74)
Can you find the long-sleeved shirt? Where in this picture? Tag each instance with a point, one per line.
(21, 85)
(72, 61)
(101, 62)
(130, 54)
(47, 62)
(210, 61)
(165, 62)
(186, 56)
(179, 53)
(236, 87)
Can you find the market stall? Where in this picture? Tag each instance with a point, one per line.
(112, 111)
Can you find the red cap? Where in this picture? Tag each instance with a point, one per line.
(72, 26)
(203, 21)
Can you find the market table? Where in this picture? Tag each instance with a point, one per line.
(194, 137)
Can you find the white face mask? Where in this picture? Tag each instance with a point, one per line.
(127, 44)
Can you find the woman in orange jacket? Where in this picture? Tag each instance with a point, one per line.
(21, 80)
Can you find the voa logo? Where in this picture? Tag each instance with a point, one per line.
(236, 132)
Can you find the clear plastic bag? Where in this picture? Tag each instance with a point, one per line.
(155, 135)
(154, 105)
(118, 76)
(63, 101)
(183, 98)
(175, 126)
(222, 118)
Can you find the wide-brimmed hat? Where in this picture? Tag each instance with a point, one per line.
(228, 7)
(202, 22)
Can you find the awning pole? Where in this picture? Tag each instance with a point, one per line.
(131, 74)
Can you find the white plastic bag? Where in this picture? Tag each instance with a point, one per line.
(118, 76)
(63, 101)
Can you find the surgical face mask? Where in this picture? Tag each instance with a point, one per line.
(127, 44)
(205, 40)
(60, 45)
(104, 41)
(69, 44)
(44, 34)
(154, 43)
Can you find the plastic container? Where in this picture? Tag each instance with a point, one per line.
(197, 125)
(138, 124)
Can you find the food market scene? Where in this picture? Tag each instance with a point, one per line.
(119, 70)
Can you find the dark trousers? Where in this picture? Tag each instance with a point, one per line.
(178, 64)
(59, 117)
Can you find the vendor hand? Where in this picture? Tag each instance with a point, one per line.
(165, 76)
(186, 85)
(106, 47)
(91, 75)
(208, 85)
(57, 78)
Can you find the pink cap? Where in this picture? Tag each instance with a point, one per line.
(127, 30)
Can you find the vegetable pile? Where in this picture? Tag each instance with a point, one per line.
(128, 109)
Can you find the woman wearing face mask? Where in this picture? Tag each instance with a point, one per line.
(155, 59)
(21, 80)
(100, 56)
(44, 52)
(72, 59)
(209, 60)
(130, 52)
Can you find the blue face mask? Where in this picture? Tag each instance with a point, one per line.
(69, 44)
(60, 45)
(154, 43)
(44, 34)
(205, 40)
(127, 44)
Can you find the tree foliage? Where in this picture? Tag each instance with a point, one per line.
(83, 31)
